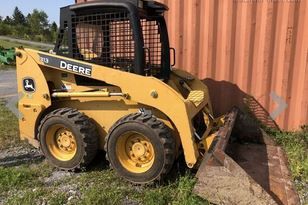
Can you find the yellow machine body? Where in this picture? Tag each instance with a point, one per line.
(176, 103)
(125, 93)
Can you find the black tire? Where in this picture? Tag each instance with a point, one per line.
(85, 134)
(159, 135)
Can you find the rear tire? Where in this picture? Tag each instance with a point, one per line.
(68, 139)
(140, 148)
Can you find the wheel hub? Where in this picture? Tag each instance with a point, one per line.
(138, 149)
(138, 155)
(61, 143)
(65, 140)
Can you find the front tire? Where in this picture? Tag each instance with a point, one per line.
(68, 139)
(140, 148)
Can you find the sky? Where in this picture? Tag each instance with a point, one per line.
(51, 7)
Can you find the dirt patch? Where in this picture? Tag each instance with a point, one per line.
(19, 155)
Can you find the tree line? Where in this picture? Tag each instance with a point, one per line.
(34, 26)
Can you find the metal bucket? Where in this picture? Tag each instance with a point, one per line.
(244, 166)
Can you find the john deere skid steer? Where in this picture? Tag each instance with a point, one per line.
(110, 85)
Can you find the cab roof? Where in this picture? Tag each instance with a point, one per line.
(147, 5)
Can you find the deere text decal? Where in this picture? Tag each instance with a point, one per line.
(68, 65)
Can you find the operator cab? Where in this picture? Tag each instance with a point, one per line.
(129, 35)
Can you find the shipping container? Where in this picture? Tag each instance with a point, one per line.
(250, 53)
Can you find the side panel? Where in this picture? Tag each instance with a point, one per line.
(34, 95)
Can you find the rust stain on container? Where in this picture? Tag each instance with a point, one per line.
(245, 50)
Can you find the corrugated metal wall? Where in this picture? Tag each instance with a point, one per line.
(251, 53)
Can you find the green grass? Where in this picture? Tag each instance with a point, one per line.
(94, 187)
(26, 184)
(12, 44)
(24, 176)
(106, 188)
(8, 128)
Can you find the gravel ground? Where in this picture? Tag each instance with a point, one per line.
(8, 89)
(19, 155)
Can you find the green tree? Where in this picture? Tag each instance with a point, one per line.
(5, 26)
(5, 29)
(8, 20)
(53, 27)
(34, 26)
(18, 30)
(28, 18)
(18, 17)
(53, 32)
(38, 22)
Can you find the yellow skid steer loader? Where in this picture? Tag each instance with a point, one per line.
(109, 85)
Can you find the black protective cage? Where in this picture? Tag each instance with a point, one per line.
(129, 35)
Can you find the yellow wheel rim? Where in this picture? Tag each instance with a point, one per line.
(61, 143)
(135, 152)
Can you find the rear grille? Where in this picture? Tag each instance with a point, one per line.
(106, 38)
(153, 46)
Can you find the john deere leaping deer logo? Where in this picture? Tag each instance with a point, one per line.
(29, 85)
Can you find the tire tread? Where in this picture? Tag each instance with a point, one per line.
(87, 129)
(163, 131)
